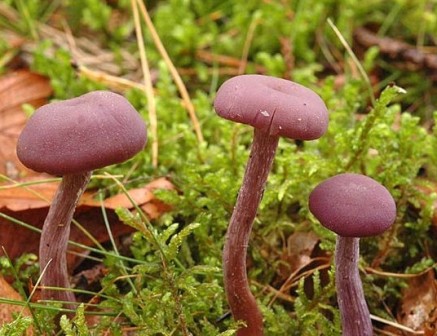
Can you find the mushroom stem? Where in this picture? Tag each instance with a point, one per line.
(354, 312)
(241, 300)
(54, 238)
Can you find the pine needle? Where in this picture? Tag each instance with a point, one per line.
(148, 89)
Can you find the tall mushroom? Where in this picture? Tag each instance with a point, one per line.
(353, 206)
(274, 107)
(71, 138)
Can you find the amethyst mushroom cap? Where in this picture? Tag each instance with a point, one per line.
(353, 206)
(274, 107)
(71, 138)
(92, 131)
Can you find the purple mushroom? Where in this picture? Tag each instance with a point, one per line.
(274, 107)
(71, 138)
(352, 206)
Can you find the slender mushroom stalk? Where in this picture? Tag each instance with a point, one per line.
(239, 296)
(72, 138)
(55, 234)
(352, 206)
(350, 294)
(274, 107)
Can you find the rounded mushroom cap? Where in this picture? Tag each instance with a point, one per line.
(275, 105)
(92, 131)
(353, 205)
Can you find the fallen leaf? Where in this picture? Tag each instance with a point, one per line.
(143, 197)
(18, 88)
(33, 193)
(30, 205)
(27, 193)
(300, 247)
(419, 304)
(7, 311)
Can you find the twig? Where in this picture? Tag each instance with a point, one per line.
(113, 82)
(287, 54)
(396, 325)
(398, 275)
(295, 276)
(116, 83)
(396, 50)
(231, 64)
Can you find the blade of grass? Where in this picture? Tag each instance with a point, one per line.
(73, 243)
(145, 221)
(176, 77)
(114, 245)
(28, 20)
(355, 60)
(52, 308)
(248, 41)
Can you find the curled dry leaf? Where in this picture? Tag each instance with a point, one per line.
(7, 311)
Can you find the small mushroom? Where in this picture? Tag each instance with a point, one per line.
(353, 206)
(71, 138)
(274, 107)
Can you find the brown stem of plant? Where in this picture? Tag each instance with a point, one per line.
(241, 300)
(354, 312)
(54, 239)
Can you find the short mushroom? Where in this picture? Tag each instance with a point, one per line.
(353, 206)
(274, 107)
(71, 138)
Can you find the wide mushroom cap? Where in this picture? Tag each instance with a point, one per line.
(275, 105)
(92, 131)
(353, 205)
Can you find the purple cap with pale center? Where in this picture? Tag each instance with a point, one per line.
(353, 205)
(275, 105)
(92, 131)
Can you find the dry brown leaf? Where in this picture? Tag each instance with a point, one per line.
(7, 311)
(419, 304)
(33, 193)
(17, 88)
(30, 205)
(300, 247)
(16, 197)
(140, 196)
